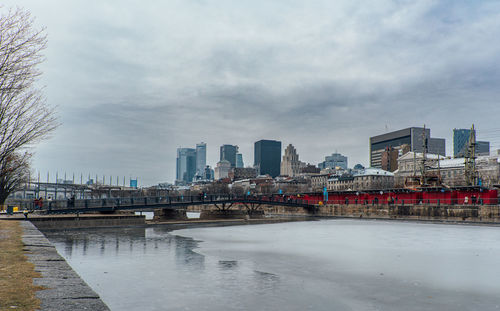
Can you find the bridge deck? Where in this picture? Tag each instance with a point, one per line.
(151, 203)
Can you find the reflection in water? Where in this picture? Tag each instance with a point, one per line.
(77, 244)
(228, 264)
(184, 253)
(266, 281)
(106, 239)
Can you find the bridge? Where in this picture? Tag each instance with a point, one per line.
(220, 201)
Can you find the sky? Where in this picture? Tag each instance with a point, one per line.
(132, 81)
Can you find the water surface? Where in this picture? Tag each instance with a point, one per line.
(320, 265)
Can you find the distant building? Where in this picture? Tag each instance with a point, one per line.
(293, 185)
(389, 159)
(201, 158)
(238, 173)
(208, 173)
(290, 164)
(222, 170)
(412, 136)
(239, 160)
(186, 165)
(451, 171)
(482, 148)
(319, 181)
(228, 153)
(373, 179)
(367, 179)
(333, 161)
(310, 169)
(340, 183)
(461, 142)
(410, 164)
(267, 157)
(358, 167)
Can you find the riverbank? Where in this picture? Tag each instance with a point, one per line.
(60, 287)
(17, 290)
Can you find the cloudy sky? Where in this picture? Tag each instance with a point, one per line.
(135, 80)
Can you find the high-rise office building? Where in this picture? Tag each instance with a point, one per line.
(222, 169)
(461, 142)
(201, 158)
(239, 160)
(412, 136)
(186, 165)
(333, 161)
(290, 164)
(228, 153)
(267, 155)
(208, 173)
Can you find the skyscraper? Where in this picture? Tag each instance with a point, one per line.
(209, 173)
(186, 165)
(228, 153)
(239, 160)
(412, 136)
(461, 141)
(290, 164)
(201, 158)
(267, 155)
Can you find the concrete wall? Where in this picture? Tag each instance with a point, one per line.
(169, 214)
(237, 211)
(479, 213)
(226, 214)
(86, 221)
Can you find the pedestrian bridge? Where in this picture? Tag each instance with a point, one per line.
(223, 202)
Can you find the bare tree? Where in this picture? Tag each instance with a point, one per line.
(238, 191)
(217, 188)
(25, 118)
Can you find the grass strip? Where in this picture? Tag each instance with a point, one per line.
(17, 291)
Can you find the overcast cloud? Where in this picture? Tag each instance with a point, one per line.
(135, 80)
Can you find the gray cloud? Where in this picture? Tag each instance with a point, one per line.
(135, 81)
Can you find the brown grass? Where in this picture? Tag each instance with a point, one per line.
(17, 291)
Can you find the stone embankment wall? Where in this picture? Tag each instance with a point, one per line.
(475, 213)
(210, 212)
(231, 214)
(86, 221)
(169, 214)
(65, 290)
(479, 213)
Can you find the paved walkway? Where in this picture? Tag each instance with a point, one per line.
(66, 290)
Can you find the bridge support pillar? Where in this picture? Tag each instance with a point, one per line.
(169, 214)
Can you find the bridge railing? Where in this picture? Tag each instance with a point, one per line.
(118, 202)
(130, 202)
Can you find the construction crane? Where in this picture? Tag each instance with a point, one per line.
(470, 170)
(423, 172)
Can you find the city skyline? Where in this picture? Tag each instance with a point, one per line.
(132, 82)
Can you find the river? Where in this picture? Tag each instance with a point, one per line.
(314, 265)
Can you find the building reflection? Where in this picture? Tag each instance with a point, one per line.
(184, 253)
(147, 241)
